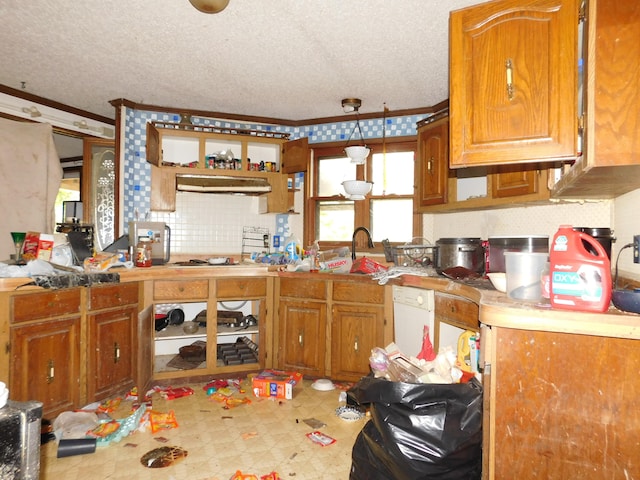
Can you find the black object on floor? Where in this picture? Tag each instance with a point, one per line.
(418, 431)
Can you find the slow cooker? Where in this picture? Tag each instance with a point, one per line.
(460, 252)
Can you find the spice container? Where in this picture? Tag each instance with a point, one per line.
(143, 252)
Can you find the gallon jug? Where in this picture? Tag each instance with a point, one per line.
(579, 280)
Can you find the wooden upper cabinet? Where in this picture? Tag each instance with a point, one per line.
(296, 156)
(432, 166)
(513, 82)
(610, 165)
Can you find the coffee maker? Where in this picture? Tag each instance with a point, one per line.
(160, 235)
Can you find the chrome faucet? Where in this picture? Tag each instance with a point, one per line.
(353, 240)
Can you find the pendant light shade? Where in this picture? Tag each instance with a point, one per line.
(357, 153)
(210, 6)
(356, 189)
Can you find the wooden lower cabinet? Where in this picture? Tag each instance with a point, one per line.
(45, 364)
(69, 347)
(328, 327)
(112, 362)
(355, 331)
(561, 406)
(302, 336)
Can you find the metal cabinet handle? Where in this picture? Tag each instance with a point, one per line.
(509, 71)
(430, 166)
(51, 371)
(301, 338)
(116, 352)
(355, 344)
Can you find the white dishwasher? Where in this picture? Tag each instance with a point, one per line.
(413, 308)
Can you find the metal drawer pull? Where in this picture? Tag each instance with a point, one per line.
(301, 338)
(116, 352)
(51, 371)
(509, 67)
(355, 344)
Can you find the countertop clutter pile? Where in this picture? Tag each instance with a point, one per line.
(50, 275)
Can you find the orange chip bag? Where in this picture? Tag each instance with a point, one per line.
(104, 429)
(162, 421)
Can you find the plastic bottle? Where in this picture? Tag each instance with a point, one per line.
(143, 252)
(579, 280)
(292, 247)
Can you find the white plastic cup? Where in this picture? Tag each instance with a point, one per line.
(524, 272)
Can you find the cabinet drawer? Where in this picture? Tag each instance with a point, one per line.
(241, 287)
(358, 292)
(300, 288)
(107, 296)
(456, 310)
(35, 306)
(181, 289)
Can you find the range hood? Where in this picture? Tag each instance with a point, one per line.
(222, 184)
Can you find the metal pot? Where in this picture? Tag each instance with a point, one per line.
(604, 236)
(460, 252)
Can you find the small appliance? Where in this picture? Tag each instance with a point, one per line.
(160, 235)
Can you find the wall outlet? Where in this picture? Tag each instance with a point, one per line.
(636, 249)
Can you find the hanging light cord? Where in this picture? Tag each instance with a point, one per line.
(357, 125)
(384, 149)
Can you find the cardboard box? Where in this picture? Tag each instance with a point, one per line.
(275, 383)
(37, 246)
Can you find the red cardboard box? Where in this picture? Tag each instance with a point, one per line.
(37, 246)
(275, 383)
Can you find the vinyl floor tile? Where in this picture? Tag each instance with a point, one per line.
(264, 436)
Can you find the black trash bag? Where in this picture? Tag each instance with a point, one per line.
(418, 431)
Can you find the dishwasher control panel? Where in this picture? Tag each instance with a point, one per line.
(413, 297)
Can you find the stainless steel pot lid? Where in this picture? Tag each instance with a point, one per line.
(457, 240)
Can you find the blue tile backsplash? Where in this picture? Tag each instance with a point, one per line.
(197, 222)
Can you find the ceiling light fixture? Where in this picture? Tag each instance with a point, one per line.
(355, 189)
(210, 6)
(357, 153)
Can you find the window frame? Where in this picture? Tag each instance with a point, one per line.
(361, 207)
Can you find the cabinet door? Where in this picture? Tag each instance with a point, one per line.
(45, 364)
(355, 330)
(296, 156)
(433, 163)
(514, 181)
(302, 336)
(513, 82)
(111, 359)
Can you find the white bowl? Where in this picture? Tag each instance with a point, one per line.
(356, 189)
(323, 384)
(498, 280)
(357, 154)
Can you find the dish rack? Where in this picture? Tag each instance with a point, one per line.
(255, 240)
(414, 255)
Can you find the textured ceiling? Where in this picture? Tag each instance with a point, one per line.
(288, 59)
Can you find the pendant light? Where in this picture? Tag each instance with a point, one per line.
(355, 189)
(210, 6)
(357, 153)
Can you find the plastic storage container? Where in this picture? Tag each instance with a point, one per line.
(579, 280)
(143, 252)
(524, 274)
(497, 246)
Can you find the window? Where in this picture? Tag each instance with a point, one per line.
(387, 211)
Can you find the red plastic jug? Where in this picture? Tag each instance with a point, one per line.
(579, 280)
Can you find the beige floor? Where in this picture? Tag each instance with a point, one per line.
(258, 438)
